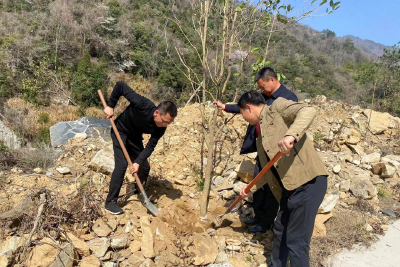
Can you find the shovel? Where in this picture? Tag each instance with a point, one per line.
(255, 180)
(153, 209)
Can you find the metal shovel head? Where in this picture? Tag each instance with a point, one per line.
(151, 207)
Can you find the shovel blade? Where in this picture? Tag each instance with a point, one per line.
(152, 208)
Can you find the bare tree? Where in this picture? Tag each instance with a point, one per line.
(225, 32)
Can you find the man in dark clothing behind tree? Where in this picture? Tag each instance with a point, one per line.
(264, 203)
(140, 117)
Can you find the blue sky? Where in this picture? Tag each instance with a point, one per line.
(374, 20)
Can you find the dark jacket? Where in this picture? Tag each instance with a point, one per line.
(136, 120)
(249, 143)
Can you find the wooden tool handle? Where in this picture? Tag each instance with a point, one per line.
(121, 143)
(255, 180)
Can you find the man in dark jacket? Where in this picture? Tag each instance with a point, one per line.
(264, 203)
(140, 117)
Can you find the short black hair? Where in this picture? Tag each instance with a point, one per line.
(265, 73)
(251, 97)
(168, 107)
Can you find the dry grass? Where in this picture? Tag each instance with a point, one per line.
(26, 119)
(344, 230)
(28, 159)
(95, 112)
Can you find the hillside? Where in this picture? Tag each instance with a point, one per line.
(74, 229)
(61, 52)
(368, 46)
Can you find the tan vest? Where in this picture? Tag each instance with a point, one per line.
(285, 117)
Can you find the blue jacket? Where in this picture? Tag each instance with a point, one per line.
(249, 143)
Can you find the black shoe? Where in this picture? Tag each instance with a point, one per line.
(113, 208)
(257, 229)
(252, 222)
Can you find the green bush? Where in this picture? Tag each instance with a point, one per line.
(43, 118)
(43, 136)
(87, 79)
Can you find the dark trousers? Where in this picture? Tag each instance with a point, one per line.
(294, 224)
(265, 204)
(121, 164)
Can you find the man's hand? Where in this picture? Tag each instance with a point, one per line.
(109, 111)
(219, 105)
(243, 194)
(134, 168)
(286, 144)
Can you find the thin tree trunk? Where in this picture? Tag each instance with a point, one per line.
(209, 165)
(204, 200)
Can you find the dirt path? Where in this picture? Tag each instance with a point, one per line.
(384, 253)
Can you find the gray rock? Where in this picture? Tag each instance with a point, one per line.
(61, 132)
(389, 213)
(363, 188)
(9, 139)
(218, 180)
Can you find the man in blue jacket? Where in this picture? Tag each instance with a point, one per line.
(264, 203)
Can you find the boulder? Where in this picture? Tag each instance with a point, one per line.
(379, 122)
(103, 161)
(363, 188)
(61, 132)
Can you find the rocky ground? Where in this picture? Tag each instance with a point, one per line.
(55, 217)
